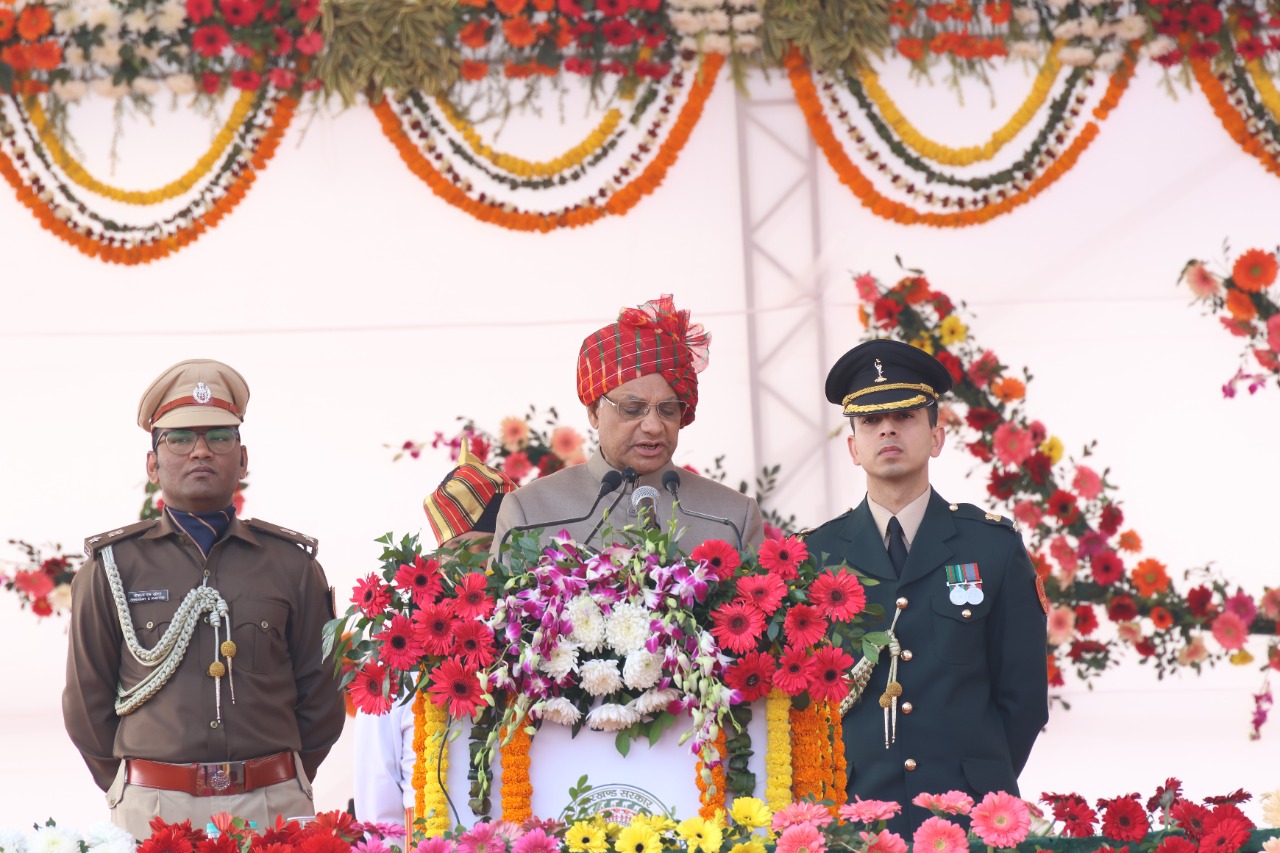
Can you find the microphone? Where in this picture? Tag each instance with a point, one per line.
(644, 499)
(628, 475)
(671, 482)
(609, 483)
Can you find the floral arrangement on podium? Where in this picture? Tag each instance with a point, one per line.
(625, 640)
(1248, 306)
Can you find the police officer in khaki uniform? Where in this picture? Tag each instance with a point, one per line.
(960, 704)
(196, 682)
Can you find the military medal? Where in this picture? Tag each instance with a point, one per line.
(965, 584)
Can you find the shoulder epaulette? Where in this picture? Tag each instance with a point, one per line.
(109, 537)
(973, 513)
(307, 543)
(808, 530)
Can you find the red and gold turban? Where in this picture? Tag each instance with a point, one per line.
(467, 499)
(654, 338)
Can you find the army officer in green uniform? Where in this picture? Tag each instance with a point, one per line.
(969, 691)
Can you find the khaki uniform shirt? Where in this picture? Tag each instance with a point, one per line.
(286, 695)
(569, 493)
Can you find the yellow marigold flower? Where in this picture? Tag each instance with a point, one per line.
(1053, 448)
(638, 839)
(1241, 657)
(701, 834)
(923, 342)
(755, 845)
(951, 330)
(587, 836)
(750, 812)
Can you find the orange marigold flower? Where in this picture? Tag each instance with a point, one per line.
(479, 4)
(35, 21)
(1162, 619)
(519, 32)
(510, 7)
(474, 34)
(1007, 389)
(1254, 271)
(1150, 577)
(544, 5)
(1130, 541)
(6, 23)
(1240, 305)
(472, 70)
(45, 55)
(902, 13)
(998, 12)
(962, 11)
(938, 12)
(914, 290)
(911, 48)
(16, 56)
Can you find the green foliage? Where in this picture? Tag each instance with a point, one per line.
(831, 36)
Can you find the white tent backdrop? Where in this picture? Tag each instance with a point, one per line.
(364, 311)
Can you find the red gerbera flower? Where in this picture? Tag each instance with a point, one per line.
(1124, 819)
(805, 625)
(738, 626)
(336, 824)
(371, 595)
(366, 689)
(830, 681)
(838, 595)
(198, 10)
(1063, 504)
(1076, 815)
(437, 624)
(1107, 568)
(473, 643)
(239, 13)
(612, 8)
(209, 40)
(33, 584)
(246, 80)
(618, 32)
(1224, 835)
(421, 580)
(401, 645)
(719, 555)
(783, 556)
(1205, 19)
(224, 843)
(752, 675)
(1122, 609)
(1255, 271)
(455, 688)
(473, 601)
(1200, 601)
(1175, 844)
(793, 674)
(1190, 818)
(765, 592)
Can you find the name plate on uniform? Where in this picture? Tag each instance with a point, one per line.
(148, 595)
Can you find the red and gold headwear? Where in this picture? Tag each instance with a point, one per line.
(654, 338)
(467, 499)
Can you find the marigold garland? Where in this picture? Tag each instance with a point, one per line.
(506, 216)
(807, 736)
(839, 767)
(1267, 92)
(431, 764)
(712, 797)
(79, 175)
(967, 155)
(517, 788)
(1230, 117)
(777, 755)
(849, 174)
(102, 247)
(528, 168)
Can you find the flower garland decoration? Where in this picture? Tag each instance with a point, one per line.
(777, 756)
(807, 748)
(839, 766)
(571, 159)
(517, 789)
(419, 778)
(1230, 97)
(711, 782)
(1249, 308)
(422, 139)
(430, 730)
(731, 28)
(1069, 514)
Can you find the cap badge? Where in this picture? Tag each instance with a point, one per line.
(880, 372)
(202, 394)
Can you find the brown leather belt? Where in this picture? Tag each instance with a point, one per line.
(212, 780)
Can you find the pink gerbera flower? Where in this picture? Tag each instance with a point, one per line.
(1001, 820)
(401, 646)
(483, 838)
(371, 595)
(800, 814)
(365, 689)
(805, 625)
(536, 841)
(737, 626)
(952, 802)
(883, 841)
(764, 591)
(794, 669)
(939, 835)
(830, 676)
(1230, 631)
(1087, 484)
(869, 811)
(838, 595)
(1012, 445)
(435, 845)
(421, 580)
(803, 838)
(783, 557)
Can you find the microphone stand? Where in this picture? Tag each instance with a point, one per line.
(629, 475)
(609, 483)
(671, 482)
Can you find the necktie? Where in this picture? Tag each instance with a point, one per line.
(897, 546)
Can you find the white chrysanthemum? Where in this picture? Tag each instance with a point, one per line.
(685, 22)
(588, 622)
(171, 17)
(107, 53)
(744, 4)
(105, 837)
(67, 90)
(74, 58)
(626, 629)
(1090, 28)
(641, 670)
(746, 43)
(1109, 60)
(1159, 46)
(53, 839)
(716, 20)
(654, 701)
(60, 598)
(1067, 29)
(611, 717)
(1059, 4)
(137, 21)
(1025, 15)
(563, 660)
(148, 52)
(601, 676)
(67, 19)
(105, 16)
(1078, 57)
(747, 21)
(13, 841)
(181, 84)
(715, 43)
(688, 44)
(146, 86)
(561, 711)
(1130, 28)
(1026, 49)
(104, 88)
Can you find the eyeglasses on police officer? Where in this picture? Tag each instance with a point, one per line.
(181, 442)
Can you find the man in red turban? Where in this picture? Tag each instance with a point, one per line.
(638, 378)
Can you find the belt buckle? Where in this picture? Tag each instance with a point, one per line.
(219, 779)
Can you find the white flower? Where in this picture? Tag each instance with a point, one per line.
(137, 21)
(13, 841)
(588, 622)
(74, 58)
(1130, 28)
(611, 717)
(641, 669)
(715, 43)
(1059, 4)
(686, 22)
(1076, 56)
(627, 628)
(744, 4)
(103, 837)
(1025, 15)
(60, 598)
(181, 84)
(689, 43)
(171, 17)
(561, 711)
(563, 660)
(600, 677)
(1159, 46)
(1108, 60)
(746, 43)
(146, 86)
(1026, 49)
(1271, 808)
(107, 53)
(747, 21)
(104, 15)
(146, 51)
(106, 89)
(716, 20)
(654, 700)
(67, 19)
(54, 839)
(1090, 28)
(1067, 29)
